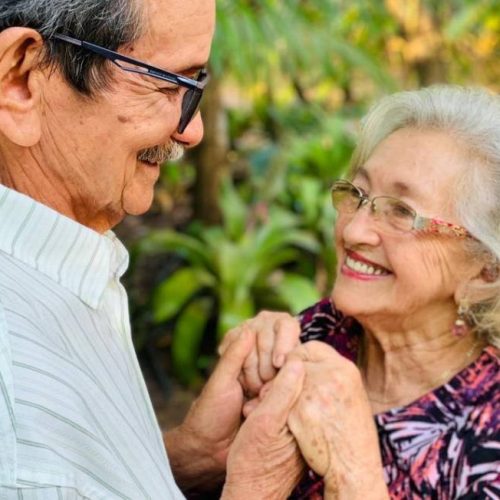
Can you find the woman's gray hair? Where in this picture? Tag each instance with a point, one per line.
(109, 23)
(472, 117)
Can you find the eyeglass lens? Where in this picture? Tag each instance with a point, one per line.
(190, 101)
(190, 105)
(390, 212)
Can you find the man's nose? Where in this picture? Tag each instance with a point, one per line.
(193, 133)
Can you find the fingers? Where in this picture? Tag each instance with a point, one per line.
(315, 351)
(265, 347)
(250, 406)
(228, 339)
(276, 334)
(251, 377)
(287, 333)
(232, 361)
(283, 394)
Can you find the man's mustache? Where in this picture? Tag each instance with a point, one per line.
(160, 154)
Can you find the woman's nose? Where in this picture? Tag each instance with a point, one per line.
(361, 226)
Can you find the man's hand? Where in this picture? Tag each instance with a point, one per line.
(264, 461)
(198, 448)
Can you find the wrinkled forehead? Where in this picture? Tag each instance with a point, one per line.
(420, 165)
(177, 31)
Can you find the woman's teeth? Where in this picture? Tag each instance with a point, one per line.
(363, 267)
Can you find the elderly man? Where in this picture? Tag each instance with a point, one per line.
(94, 96)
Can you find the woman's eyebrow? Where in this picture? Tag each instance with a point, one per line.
(363, 173)
(400, 187)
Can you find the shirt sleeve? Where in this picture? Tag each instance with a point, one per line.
(7, 415)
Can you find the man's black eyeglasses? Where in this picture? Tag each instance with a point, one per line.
(192, 97)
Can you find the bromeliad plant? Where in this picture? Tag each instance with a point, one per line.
(228, 272)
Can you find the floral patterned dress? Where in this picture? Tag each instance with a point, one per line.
(445, 445)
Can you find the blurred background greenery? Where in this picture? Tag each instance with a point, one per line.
(244, 221)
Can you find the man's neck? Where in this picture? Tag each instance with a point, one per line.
(30, 179)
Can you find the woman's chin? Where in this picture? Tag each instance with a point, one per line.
(352, 303)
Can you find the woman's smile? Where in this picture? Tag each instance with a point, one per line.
(358, 267)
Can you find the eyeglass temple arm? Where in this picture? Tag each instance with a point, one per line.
(114, 57)
(433, 225)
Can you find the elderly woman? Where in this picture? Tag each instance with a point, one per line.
(406, 404)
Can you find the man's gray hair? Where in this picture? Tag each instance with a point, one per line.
(472, 117)
(109, 23)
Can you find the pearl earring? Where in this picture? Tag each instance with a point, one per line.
(463, 321)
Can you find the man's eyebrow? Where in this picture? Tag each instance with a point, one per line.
(191, 71)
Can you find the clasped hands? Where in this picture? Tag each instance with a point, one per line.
(303, 403)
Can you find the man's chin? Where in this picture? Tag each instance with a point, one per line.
(137, 196)
(137, 207)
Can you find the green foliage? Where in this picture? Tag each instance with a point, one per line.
(223, 270)
(188, 334)
(265, 41)
(297, 178)
(173, 293)
(296, 290)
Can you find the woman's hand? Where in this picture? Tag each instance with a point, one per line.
(276, 335)
(334, 427)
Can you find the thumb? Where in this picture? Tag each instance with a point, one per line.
(231, 362)
(283, 394)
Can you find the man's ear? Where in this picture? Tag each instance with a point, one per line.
(19, 85)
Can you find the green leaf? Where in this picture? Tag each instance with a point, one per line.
(234, 211)
(308, 194)
(213, 237)
(275, 260)
(273, 238)
(234, 310)
(462, 22)
(230, 263)
(167, 240)
(171, 295)
(296, 291)
(187, 338)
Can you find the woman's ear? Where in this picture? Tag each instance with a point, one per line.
(480, 288)
(490, 272)
(20, 90)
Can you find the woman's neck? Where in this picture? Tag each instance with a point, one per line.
(400, 367)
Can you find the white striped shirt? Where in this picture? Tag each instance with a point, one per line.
(76, 420)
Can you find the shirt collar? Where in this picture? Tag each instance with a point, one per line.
(78, 258)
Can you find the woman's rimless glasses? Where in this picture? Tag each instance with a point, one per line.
(392, 215)
(192, 97)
